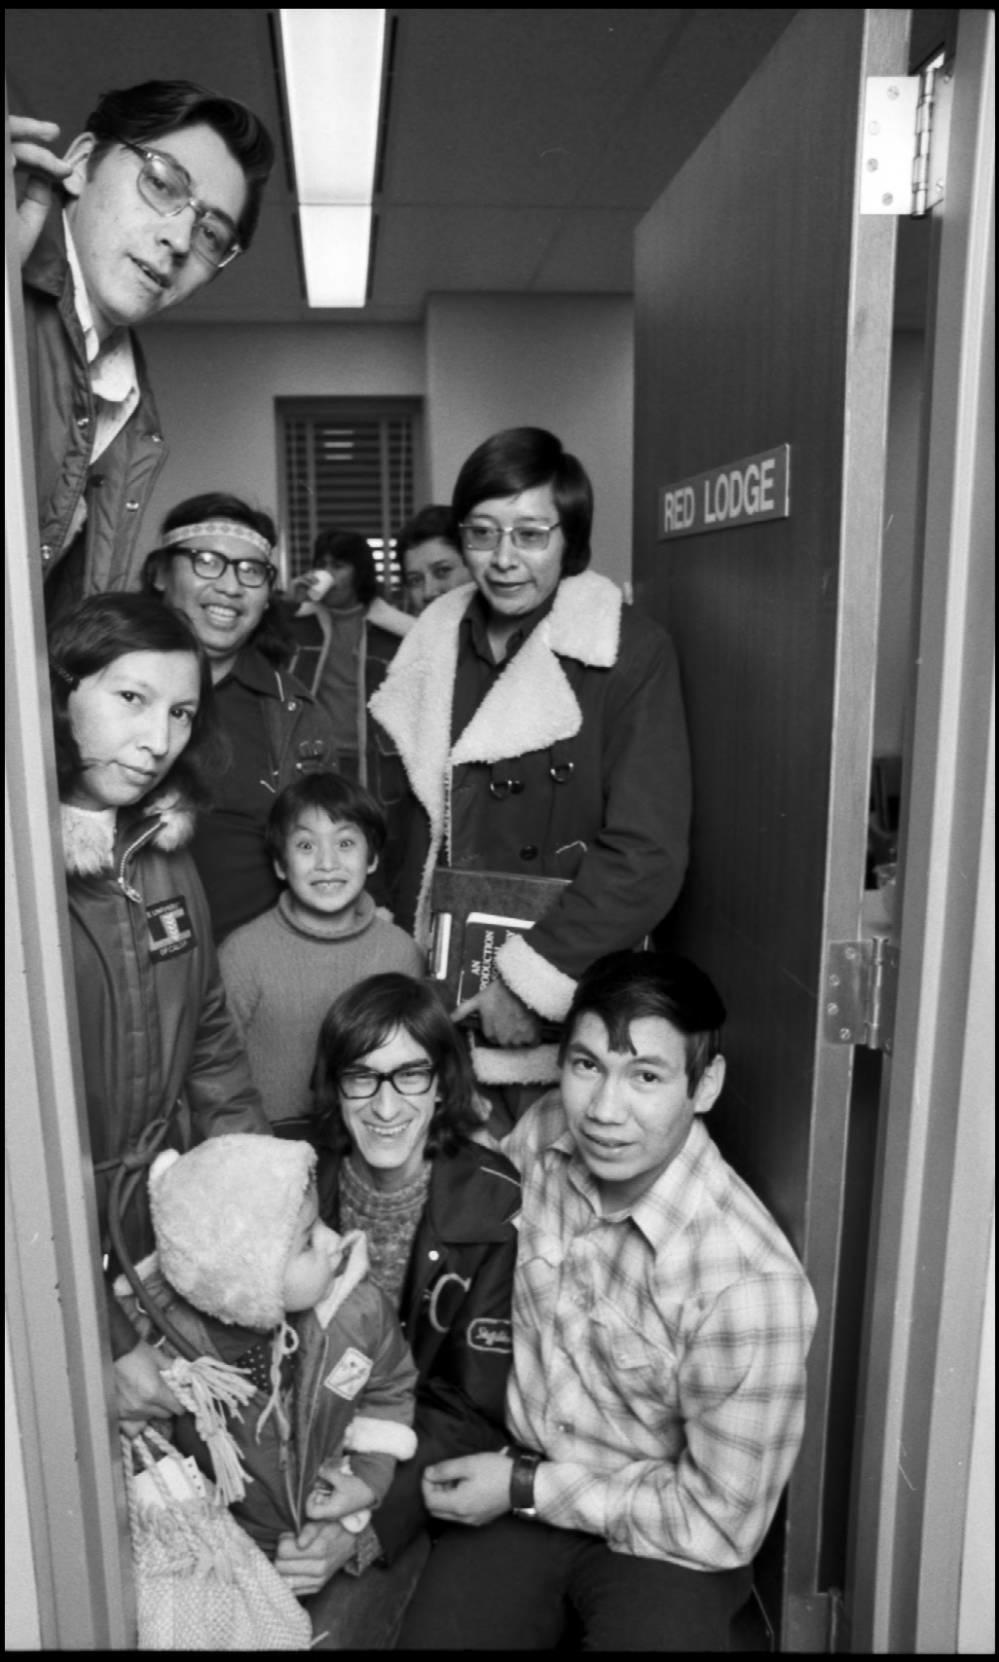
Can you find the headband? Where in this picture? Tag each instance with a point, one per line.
(219, 528)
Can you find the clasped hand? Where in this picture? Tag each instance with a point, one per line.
(472, 1489)
(505, 1019)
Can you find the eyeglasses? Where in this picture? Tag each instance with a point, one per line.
(166, 186)
(412, 1079)
(251, 574)
(483, 536)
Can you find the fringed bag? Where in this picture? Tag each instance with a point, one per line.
(201, 1582)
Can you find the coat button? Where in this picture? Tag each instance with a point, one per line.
(433, 1255)
(132, 507)
(529, 852)
(46, 552)
(83, 422)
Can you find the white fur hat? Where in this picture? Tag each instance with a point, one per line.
(225, 1216)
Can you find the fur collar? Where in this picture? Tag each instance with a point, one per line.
(89, 839)
(531, 704)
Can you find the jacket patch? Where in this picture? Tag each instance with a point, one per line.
(445, 1298)
(171, 931)
(350, 1374)
(491, 1333)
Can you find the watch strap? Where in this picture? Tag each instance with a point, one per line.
(525, 1464)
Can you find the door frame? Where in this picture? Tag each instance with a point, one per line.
(66, 1478)
(930, 1266)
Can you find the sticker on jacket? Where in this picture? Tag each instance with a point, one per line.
(350, 1374)
(491, 1333)
(170, 928)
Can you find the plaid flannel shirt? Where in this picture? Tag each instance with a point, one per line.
(659, 1353)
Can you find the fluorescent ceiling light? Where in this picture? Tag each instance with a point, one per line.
(333, 77)
(335, 245)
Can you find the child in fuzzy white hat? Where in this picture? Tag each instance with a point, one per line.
(245, 1271)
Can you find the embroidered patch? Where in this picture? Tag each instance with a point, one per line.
(491, 1333)
(170, 928)
(350, 1374)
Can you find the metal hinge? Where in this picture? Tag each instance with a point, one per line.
(859, 993)
(906, 127)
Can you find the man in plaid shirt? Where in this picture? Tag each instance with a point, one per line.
(661, 1323)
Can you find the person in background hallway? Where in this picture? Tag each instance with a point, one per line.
(661, 1324)
(215, 566)
(135, 744)
(346, 636)
(429, 553)
(541, 725)
(152, 201)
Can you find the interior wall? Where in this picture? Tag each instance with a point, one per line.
(565, 362)
(480, 363)
(215, 387)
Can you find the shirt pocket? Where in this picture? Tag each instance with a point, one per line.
(538, 1275)
(631, 1367)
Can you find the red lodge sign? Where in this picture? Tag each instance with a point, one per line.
(739, 493)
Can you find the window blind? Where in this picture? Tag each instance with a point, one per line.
(347, 465)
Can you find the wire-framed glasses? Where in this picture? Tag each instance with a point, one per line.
(483, 536)
(166, 186)
(412, 1079)
(209, 564)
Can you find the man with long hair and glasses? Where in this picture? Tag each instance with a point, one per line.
(154, 199)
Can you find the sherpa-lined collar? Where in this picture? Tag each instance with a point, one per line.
(90, 840)
(530, 706)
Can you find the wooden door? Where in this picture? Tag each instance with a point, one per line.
(763, 318)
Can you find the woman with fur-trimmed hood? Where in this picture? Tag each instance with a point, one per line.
(541, 725)
(131, 696)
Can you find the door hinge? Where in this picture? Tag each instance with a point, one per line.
(906, 126)
(859, 993)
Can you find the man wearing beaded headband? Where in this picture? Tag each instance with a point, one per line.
(215, 565)
(158, 194)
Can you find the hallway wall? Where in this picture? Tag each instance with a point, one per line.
(480, 363)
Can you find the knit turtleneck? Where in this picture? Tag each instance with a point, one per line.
(389, 1221)
(320, 927)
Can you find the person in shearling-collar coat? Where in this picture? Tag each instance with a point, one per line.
(541, 724)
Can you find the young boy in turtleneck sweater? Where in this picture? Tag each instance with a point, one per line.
(283, 970)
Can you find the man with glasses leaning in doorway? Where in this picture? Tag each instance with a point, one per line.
(152, 201)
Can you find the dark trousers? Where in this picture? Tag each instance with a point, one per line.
(518, 1584)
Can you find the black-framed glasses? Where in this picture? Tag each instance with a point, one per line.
(166, 186)
(412, 1079)
(209, 564)
(483, 536)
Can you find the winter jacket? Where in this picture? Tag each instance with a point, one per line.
(588, 718)
(352, 1363)
(156, 1034)
(64, 418)
(455, 1313)
(228, 845)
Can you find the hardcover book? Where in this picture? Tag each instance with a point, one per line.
(474, 913)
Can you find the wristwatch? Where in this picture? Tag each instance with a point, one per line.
(525, 1464)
